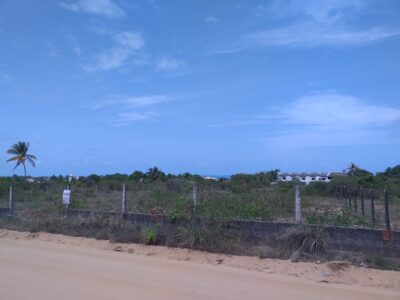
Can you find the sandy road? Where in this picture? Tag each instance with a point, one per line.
(56, 268)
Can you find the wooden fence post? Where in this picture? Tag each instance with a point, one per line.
(387, 218)
(11, 199)
(372, 207)
(297, 205)
(194, 195)
(362, 203)
(123, 206)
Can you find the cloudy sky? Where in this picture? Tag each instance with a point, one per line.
(211, 87)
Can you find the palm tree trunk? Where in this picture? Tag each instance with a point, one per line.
(24, 169)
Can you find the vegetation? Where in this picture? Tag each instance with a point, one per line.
(21, 155)
(243, 196)
(207, 225)
(305, 240)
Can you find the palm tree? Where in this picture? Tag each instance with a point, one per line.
(20, 155)
(353, 169)
(155, 173)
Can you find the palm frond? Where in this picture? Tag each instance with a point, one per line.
(12, 158)
(12, 151)
(31, 161)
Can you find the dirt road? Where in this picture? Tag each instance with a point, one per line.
(46, 266)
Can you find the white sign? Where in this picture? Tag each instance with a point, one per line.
(66, 196)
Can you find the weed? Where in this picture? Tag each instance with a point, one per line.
(150, 237)
(308, 240)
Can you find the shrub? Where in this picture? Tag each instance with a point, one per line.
(308, 240)
(150, 237)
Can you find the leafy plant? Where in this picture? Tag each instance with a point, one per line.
(305, 239)
(150, 237)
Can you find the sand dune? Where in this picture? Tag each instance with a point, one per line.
(50, 266)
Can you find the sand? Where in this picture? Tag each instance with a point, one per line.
(51, 266)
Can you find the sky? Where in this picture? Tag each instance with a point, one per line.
(207, 87)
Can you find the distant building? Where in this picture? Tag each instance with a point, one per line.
(30, 179)
(210, 178)
(308, 177)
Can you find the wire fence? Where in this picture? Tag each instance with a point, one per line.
(334, 205)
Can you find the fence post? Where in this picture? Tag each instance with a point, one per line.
(372, 207)
(362, 203)
(337, 193)
(387, 219)
(349, 198)
(355, 201)
(11, 199)
(297, 205)
(123, 206)
(344, 195)
(194, 195)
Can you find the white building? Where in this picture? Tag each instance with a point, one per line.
(307, 177)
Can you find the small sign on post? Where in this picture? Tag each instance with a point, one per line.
(66, 197)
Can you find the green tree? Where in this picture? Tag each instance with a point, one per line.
(137, 176)
(21, 155)
(155, 174)
(353, 169)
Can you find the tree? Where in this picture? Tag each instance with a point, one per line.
(353, 169)
(137, 176)
(155, 174)
(20, 155)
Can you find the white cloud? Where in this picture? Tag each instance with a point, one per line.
(169, 64)
(105, 8)
(132, 102)
(4, 77)
(312, 23)
(312, 35)
(325, 119)
(339, 111)
(131, 40)
(329, 119)
(131, 109)
(326, 11)
(126, 118)
(126, 44)
(211, 19)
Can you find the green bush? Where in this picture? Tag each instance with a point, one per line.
(305, 239)
(150, 237)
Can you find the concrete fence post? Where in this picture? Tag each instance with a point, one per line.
(11, 199)
(123, 204)
(362, 203)
(297, 205)
(387, 218)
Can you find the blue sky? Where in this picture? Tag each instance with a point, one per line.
(210, 87)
